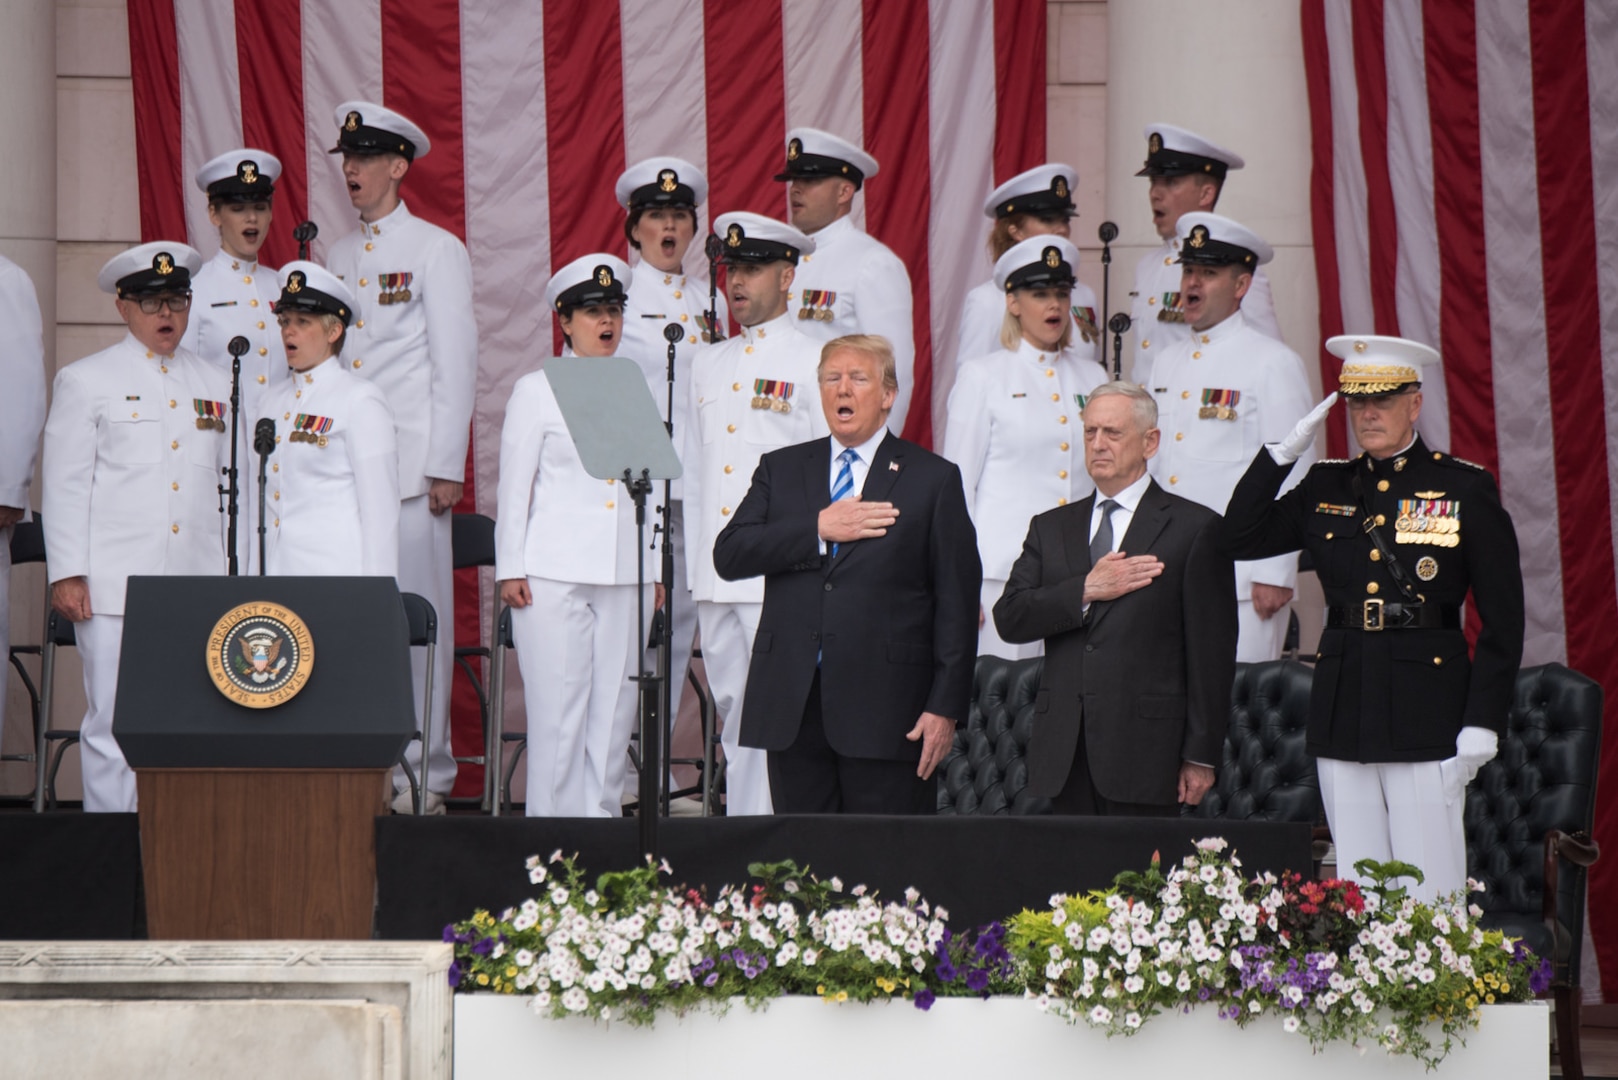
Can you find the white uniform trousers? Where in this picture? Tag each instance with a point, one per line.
(109, 782)
(576, 646)
(990, 642)
(684, 631)
(427, 567)
(727, 650)
(1406, 810)
(1259, 639)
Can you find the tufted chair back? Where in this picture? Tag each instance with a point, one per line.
(987, 770)
(1535, 795)
(1267, 772)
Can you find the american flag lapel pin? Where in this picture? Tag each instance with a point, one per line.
(893, 466)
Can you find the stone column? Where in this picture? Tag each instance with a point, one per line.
(1234, 73)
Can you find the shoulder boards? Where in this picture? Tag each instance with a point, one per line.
(1451, 459)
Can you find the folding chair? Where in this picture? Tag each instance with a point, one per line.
(58, 633)
(27, 546)
(423, 622)
(472, 545)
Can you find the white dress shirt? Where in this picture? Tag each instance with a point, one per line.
(1128, 501)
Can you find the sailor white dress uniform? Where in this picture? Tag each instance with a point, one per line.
(984, 314)
(231, 298)
(22, 416)
(751, 394)
(572, 536)
(134, 448)
(332, 490)
(414, 336)
(854, 284)
(1016, 430)
(1159, 326)
(1220, 396)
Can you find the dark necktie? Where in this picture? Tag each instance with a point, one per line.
(1101, 544)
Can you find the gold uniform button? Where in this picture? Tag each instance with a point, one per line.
(175, 527)
(676, 294)
(748, 350)
(278, 440)
(1062, 475)
(1056, 397)
(175, 486)
(175, 445)
(611, 504)
(278, 523)
(724, 511)
(1372, 587)
(1382, 485)
(275, 468)
(1376, 556)
(1050, 373)
(728, 470)
(1064, 446)
(277, 496)
(262, 351)
(1174, 479)
(1437, 456)
(173, 403)
(1168, 260)
(1330, 535)
(1146, 343)
(1151, 300)
(693, 339)
(359, 324)
(1438, 661)
(163, 368)
(261, 380)
(134, 416)
(735, 386)
(1061, 502)
(685, 318)
(731, 428)
(150, 354)
(248, 280)
(1179, 436)
(253, 302)
(357, 365)
(261, 324)
(1381, 519)
(1061, 419)
(611, 481)
(369, 245)
(364, 282)
(286, 416)
(1197, 355)
(1184, 394)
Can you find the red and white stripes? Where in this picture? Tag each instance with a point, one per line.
(534, 108)
(1465, 194)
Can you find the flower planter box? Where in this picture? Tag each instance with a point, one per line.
(499, 1038)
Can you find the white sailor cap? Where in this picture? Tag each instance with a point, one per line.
(310, 287)
(1042, 191)
(1373, 364)
(814, 153)
(364, 127)
(754, 238)
(1213, 240)
(240, 174)
(662, 181)
(594, 279)
(163, 266)
(1036, 263)
(1174, 151)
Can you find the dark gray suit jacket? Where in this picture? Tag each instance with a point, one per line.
(1144, 678)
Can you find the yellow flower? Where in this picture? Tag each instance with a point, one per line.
(821, 989)
(1489, 999)
(511, 972)
(483, 980)
(1471, 1002)
(886, 985)
(842, 995)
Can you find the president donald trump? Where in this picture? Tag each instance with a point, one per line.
(863, 661)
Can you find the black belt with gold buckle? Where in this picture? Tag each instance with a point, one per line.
(1374, 615)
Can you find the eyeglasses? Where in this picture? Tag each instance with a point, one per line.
(151, 305)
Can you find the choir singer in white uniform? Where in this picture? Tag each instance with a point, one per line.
(332, 490)
(567, 560)
(1015, 426)
(134, 447)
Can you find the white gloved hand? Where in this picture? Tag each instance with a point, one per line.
(1475, 747)
(1292, 447)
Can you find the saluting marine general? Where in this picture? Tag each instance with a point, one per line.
(751, 394)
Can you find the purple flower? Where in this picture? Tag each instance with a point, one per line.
(455, 973)
(946, 970)
(484, 946)
(449, 932)
(750, 971)
(924, 999)
(977, 979)
(1539, 980)
(711, 979)
(1203, 994)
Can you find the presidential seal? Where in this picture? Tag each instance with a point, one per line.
(260, 655)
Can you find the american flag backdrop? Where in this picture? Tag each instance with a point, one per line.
(1465, 194)
(533, 109)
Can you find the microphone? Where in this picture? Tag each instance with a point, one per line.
(714, 247)
(672, 333)
(1119, 323)
(1108, 232)
(303, 233)
(264, 437)
(238, 346)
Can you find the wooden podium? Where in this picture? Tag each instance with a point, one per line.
(258, 815)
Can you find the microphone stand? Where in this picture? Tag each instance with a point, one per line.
(714, 248)
(1119, 325)
(665, 636)
(1107, 233)
(646, 683)
(238, 345)
(264, 444)
(303, 233)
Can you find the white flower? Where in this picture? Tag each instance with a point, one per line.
(1134, 984)
(1290, 1024)
(1255, 1006)
(556, 856)
(542, 1000)
(1212, 844)
(558, 895)
(836, 884)
(1100, 1015)
(1164, 978)
(575, 1000)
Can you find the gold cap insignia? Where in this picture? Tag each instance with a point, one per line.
(1199, 236)
(1359, 346)
(733, 236)
(666, 180)
(794, 148)
(1060, 187)
(352, 123)
(247, 172)
(1053, 258)
(1154, 144)
(603, 276)
(295, 281)
(163, 264)
(1359, 378)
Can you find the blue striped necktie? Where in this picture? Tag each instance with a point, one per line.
(844, 487)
